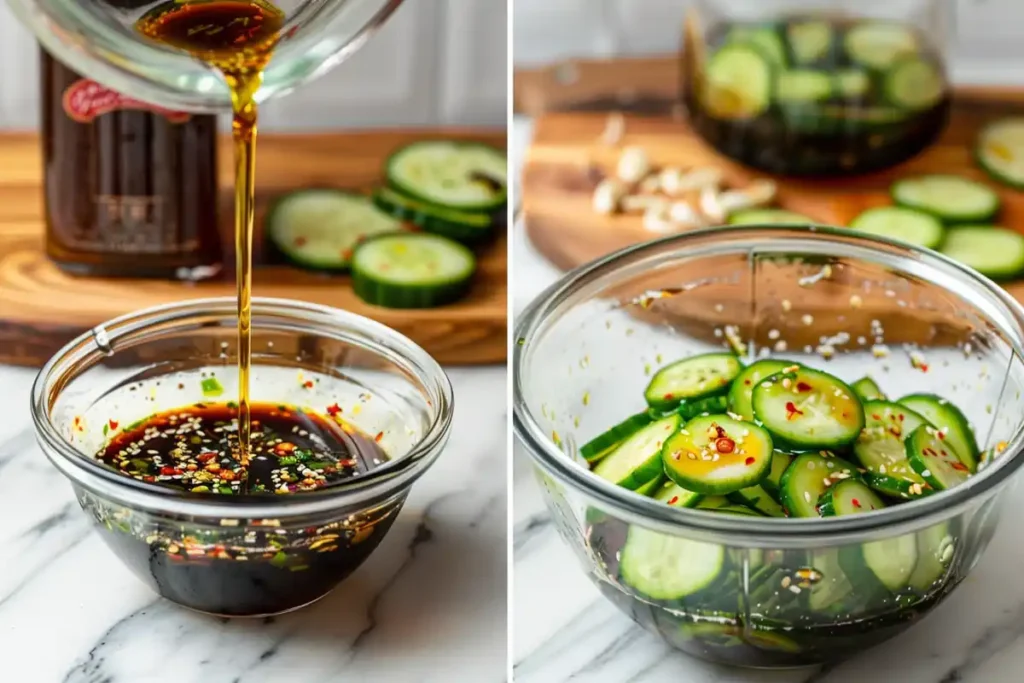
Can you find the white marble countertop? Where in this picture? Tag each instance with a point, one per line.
(564, 630)
(429, 604)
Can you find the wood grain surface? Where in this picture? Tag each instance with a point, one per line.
(567, 159)
(41, 308)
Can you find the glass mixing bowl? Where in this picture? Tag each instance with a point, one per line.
(850, 305)
(244, 555)
(97, 38)
(821, 88)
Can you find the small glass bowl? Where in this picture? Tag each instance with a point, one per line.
(789, 592)
(247, 555)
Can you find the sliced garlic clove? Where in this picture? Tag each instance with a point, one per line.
(650, 185)
(608, 195)
(697, 179)
(669, 180)
(614, 130)
(711, 206)
(754, 195)
(685, 216)
(638, 203)
(655, 219)
(633, 165)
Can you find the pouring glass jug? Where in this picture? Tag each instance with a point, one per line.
(100, 39)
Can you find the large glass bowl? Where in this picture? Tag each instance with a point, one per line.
(256, 554)
(851, 305)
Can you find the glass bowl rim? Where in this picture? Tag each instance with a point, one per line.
(379, 483)
(752, 531)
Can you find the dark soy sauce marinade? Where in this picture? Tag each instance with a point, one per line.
(840, 136)
(233, 571)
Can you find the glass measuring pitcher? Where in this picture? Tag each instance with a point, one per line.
(100, 39)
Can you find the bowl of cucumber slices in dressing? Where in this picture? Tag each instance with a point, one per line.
(773, 447)
(793, 91)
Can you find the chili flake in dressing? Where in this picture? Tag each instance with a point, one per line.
(195, 449)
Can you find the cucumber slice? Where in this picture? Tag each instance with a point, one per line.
(880, 449)
(411, 271)
(756, 498)
(914, 84)
(933, 459)
(935, 548)
(766, 39)
(1000, 151)
(808, 478)
(800, 86)
(737, 82)
(652, 487)
(320, 229)
(769, 217)
(606, 442)
(809, 41)
(880, 567)
(664, 567)
(953, 425)
(828, 594)
(717, 454)
(908, 225)
(461, 226)
(675, 495)
(849, 497)
(994, 252)
(867, 390)
(724, 505)
(638, 459)
(456, 175)
(690, 379)
(949, 198)
(742, 389)
(808, 409)
(852, 84)
(712, 405)
(773, 482)
(878, 45)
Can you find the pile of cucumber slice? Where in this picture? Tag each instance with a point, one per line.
(809, 68)
(407, 245)
(778, 439)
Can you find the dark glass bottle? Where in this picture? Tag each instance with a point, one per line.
(129, 189)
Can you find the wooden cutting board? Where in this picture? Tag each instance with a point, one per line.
(567, 159)
(41, 308)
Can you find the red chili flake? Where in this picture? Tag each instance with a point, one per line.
(941, 435)
(206, 457)
(78, 423)
(113, 424)
(959, 467)
(803, 387)
(876, 417)
(333, 410)
(720, 432)
(928, 451)
(346, 254)
(300, 241)
(380, 435)
(168, 471)
(924, 367)
(747, 382)
(725, 445)
(674, 500)
(856, 503)
(749, 461)
(149, 478)
(667, 397)
(308, 384)
(792, 411)
(895, 431)
(901, 417)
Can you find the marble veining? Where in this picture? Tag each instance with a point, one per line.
(565, 631)
(428, 606)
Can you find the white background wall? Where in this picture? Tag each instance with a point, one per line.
(436, 62)
(989, 44)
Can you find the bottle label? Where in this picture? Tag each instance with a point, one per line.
(84, 100)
